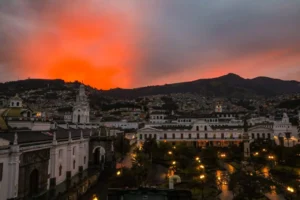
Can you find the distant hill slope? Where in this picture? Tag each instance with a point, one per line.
(230, 85)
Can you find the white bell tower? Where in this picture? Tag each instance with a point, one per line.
(81, 110)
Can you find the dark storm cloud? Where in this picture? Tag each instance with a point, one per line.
(207, 31)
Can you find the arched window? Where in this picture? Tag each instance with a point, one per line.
(60, 170)
(197, 128)
(18, 103)
(205, 128)
(257, 135)
(74, 164)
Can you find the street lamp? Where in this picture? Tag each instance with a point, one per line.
(223, 155)
(201, 166)
(290, 189)
(256, 154)
(170, 153)
(174, 163)
(197, 158)
(271, 157)
(264, 150)
(118, 173)
(202, 176)
(95, 197)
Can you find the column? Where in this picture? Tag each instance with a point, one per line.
(14, 163)
(53, 157)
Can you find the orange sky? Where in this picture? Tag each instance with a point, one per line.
(135, 43)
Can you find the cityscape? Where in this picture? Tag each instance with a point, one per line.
(103, 100)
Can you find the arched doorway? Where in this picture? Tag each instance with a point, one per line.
(34, 182)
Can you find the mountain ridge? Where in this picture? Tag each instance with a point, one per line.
(230, 85)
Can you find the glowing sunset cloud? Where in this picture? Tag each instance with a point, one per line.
(133, 43)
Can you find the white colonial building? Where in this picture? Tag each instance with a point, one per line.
(217, 129)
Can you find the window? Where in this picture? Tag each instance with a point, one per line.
(84, 160)
(141, 136)
(197, 128)
(257, 135)
(150, 136)
(60, 153)
(1, 171)
(146, 136)
(263, 135)
(205, 128)
(165, 136)
(154, 136)
(74, 164)
(197, 135)
(222, 135)
(173, 136)
(190, 136)
(74, 149)
(60, 170)
(269, 136)
(18, 103)
(181, 136)
(205, 135)
(12, 103)
(253, 136)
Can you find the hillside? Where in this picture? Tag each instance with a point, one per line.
(230, 85)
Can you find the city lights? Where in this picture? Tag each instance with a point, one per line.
(256, 154)
(170, 153)
(201, 166)
(197, 158)
(202, 176)
(174, 163)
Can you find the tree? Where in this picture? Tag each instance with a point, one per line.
(122, 145)
(141, 165)
(248, 185)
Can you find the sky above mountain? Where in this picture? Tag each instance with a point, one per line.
(132, 43)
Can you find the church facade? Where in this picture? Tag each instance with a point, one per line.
(47, 163)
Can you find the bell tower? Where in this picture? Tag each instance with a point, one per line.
(81, 109)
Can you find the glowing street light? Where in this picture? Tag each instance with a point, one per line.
(197, 158)
(256, 154)
(174, 147)
(202, 176)
(118, 173)
(290, 189)
(170, 153)
(95, 197)
(271, 157)
(201, 166)
(223, 155)
(174, 163)
(264, 150)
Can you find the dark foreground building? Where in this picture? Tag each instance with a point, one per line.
(148, 194)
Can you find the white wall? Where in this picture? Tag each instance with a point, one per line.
(4, 191)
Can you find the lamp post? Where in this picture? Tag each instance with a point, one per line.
(202, 178)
